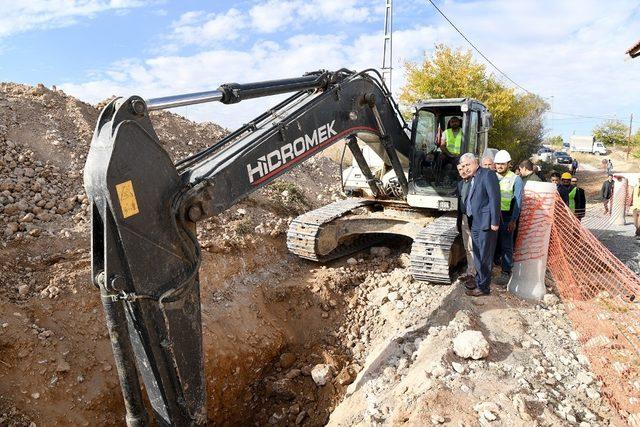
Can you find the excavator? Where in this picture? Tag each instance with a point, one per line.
(144, 209)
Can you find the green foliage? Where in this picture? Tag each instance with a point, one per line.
(554, 141)
(635, 139)
(518, 125)
(547, 168)
(612, 132)
(244, 226)
(288, 198)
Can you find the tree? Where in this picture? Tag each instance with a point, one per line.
(555, 141)
(611, 132)
(518, 125)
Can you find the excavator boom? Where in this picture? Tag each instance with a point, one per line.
(145, 254)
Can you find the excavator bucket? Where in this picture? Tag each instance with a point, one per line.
(145, 261)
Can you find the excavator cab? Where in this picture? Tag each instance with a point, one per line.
(433, 174)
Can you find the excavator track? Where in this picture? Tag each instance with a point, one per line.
(302, 236)
(431, 251)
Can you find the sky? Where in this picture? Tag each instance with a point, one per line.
(572, 53)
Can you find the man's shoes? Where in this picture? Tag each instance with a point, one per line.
(476, 293)
(470, 284)
(503, 279)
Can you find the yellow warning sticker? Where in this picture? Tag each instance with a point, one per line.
(127, 199)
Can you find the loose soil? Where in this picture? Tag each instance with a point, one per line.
(269, 318)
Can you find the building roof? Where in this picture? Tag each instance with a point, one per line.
(634, 50)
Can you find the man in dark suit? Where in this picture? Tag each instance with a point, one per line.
(481, 204)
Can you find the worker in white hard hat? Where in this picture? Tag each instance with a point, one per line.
(511, 191)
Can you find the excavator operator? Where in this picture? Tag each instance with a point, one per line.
(451, 139)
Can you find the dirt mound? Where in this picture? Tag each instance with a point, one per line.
(44, 140)
(54, 345)
(286, 342)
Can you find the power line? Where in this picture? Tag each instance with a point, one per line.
(582, 116)
(478, 50)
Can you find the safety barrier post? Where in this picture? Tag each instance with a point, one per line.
(619, 202)
(532, 243)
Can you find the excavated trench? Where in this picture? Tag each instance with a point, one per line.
(268, 319)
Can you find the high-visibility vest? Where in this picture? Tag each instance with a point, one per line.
(454, 142)
(506, 190)
(572, 199)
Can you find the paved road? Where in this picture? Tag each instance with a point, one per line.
(619, 239)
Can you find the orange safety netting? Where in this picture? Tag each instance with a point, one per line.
(600, 293)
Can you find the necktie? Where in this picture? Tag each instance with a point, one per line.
(467, 203)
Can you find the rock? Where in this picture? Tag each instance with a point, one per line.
(63, 366)
(287, 360)
(294, 373)
(520, 404)
(592, 394)
(489, 416)
(352, 261)
(436, 370)
(582, 359)
(300, 417)
(437, 419)
(404, 260)
(23, 290)
(14, 208)
(294, 409)
(458, 367)
(393, 296)
(550, 300)
(471, 344)
(28, 217)
(321, 374)
(487, 406)
(380, 251)
(276, 418)
(282, 388)
(584, 378)
(35, 395)
(345, 377)
(378, 295)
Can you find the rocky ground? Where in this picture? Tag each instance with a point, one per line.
(287, 342)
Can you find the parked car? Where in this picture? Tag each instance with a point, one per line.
(561, 157)
(543, 150)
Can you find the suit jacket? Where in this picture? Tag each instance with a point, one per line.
(458, 193)
(607, 189)
(484, 200)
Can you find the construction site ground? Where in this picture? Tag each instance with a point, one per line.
(274, 325)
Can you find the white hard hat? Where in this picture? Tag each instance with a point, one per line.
(502, 156)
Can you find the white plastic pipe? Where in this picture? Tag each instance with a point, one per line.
(532, 244)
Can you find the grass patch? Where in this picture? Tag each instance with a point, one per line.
(289, 194)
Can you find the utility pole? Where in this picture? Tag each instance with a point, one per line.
(387, 53)
(629, 139)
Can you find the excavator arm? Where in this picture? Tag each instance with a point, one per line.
(145, 253)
